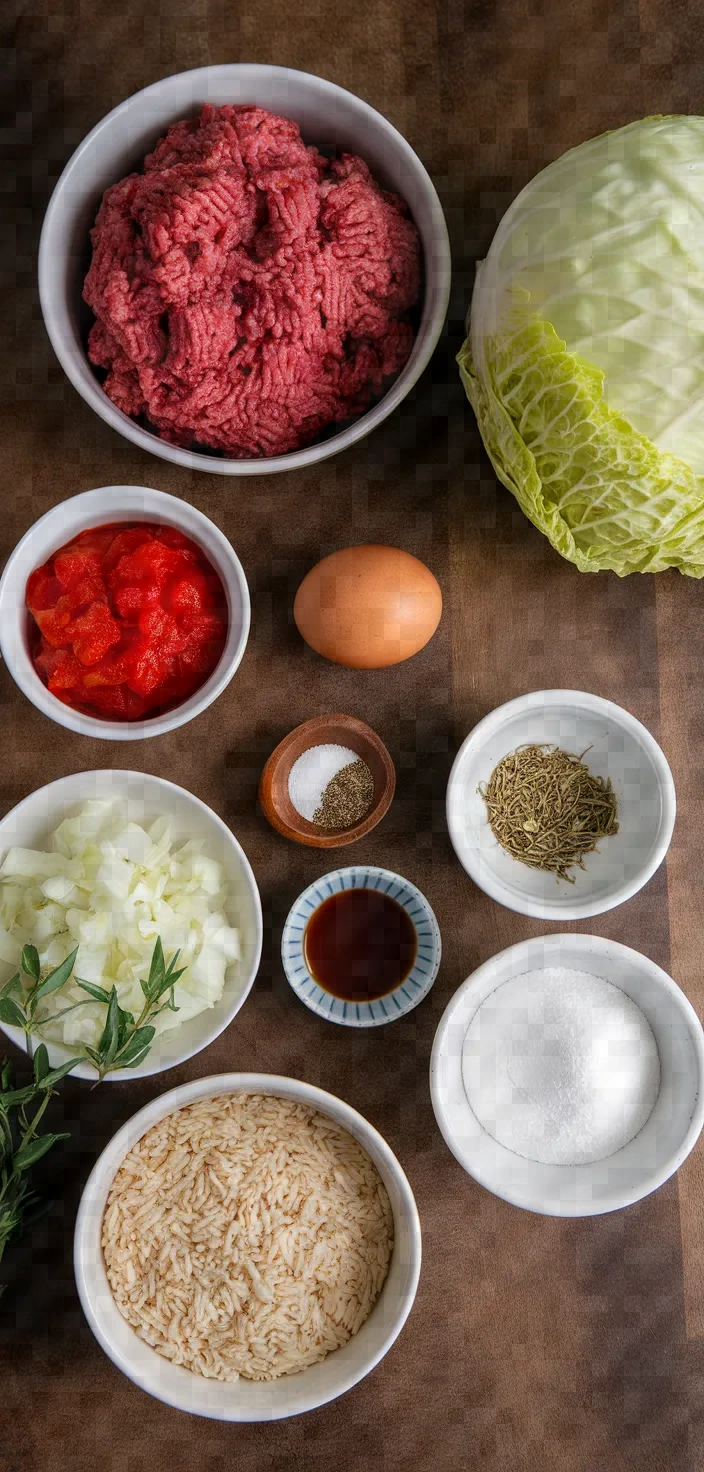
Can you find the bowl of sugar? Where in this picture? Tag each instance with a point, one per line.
(567, 1075)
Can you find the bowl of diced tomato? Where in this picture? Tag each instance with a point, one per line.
(124, 612)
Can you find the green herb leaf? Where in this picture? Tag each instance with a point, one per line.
(41, 1063)
(110, 1040)
(6, 1075)
(56, 1074)
(15, 1098)
(31, 1153)
(10, 1013)
(56, 978)
(132, 1062)
(168, 985)
(157, 970)
(13, 987)
(30, 962)
(140, 1039)
(98, 993)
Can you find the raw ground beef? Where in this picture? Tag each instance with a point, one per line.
(249, 292)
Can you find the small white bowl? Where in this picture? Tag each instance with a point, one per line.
(101, 507)
(646, 1161)
(30, 824)
(247, 1400)
(396, 1003)
(615, 745)
(326, 114)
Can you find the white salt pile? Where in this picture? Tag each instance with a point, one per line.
(311, 773)
(560, 1066)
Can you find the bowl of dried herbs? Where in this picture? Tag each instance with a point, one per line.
(560, 805)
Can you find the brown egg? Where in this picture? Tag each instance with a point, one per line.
(368, 606)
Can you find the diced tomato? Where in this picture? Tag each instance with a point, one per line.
(53, 623)
(162, 631)
(43, 589)
(205, 627)
(188, 595)
(76, 564)
(110, 701)
(87, 590)
(129, 601)
(60, 668)
(130, 620)
(113, 670)
(123, 543)
(172, 537)
(94, 633)
(147, 672)
(150, 563)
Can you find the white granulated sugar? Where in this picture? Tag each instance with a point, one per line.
(310, 774)
(560, 1066)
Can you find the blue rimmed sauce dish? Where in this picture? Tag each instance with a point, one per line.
(400, 998)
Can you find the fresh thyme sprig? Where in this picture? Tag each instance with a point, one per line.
(20, 1144)
(124, 1042)
(20, 999)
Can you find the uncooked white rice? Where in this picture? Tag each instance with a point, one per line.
(247, 1235)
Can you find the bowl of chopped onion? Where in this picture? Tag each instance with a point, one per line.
(130, 924)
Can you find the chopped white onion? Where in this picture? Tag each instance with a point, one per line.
(112, 886)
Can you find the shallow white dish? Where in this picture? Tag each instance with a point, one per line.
(101, 507)
(326, 114)
(247, 1400)
(646, 1161)
(33, 820)
(616, 745)
(394, 1004)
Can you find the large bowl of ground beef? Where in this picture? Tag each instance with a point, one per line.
(244, 269)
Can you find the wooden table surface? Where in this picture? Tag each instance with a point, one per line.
(534, 1344)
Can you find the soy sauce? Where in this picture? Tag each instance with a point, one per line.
(359, 945)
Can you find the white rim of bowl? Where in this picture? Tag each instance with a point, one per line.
(323, 1003)
(85, 1071)
(102, 405)
(173, 512)
(546, 909)
(123, 1141)
(523, 952)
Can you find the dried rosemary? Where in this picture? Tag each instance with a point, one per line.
(547, 809)
(347, 797)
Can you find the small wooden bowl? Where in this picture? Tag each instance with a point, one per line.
(321, 730)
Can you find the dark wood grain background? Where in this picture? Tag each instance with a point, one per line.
(534, 1344)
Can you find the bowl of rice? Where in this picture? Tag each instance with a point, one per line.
(247, 1248)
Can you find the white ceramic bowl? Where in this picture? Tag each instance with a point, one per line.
(616, 745)
(146, 798)
(247, 1400)
(326, 114)
(101, 507)
(646, 1161)
(394, 1004)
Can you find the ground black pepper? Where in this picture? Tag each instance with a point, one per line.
(347, 797)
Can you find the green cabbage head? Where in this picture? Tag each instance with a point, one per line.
(585, 356)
